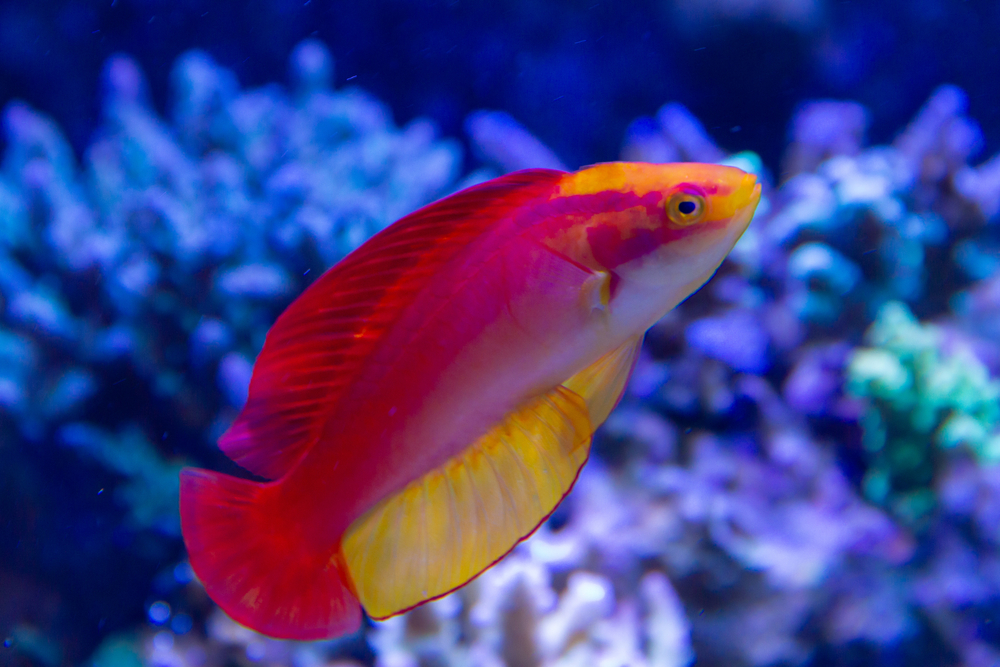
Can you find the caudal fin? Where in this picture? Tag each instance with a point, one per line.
(253, 565)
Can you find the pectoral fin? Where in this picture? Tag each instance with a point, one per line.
(596, 291)
(446, 527)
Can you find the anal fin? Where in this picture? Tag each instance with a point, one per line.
(446, 527)
(602, 384)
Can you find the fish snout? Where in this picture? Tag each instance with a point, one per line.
(744, 202)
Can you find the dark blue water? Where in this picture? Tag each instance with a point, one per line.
(803, 470)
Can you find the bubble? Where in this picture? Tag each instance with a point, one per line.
(181, 624)
(159, 612)
(183, 573)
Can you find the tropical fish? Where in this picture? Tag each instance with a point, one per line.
(426, 403)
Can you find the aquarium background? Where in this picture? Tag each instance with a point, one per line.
(804, 469)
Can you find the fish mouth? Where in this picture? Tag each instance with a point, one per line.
(746, 197)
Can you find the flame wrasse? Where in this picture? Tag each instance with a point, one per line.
(426, 403)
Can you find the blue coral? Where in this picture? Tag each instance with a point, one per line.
(174, 246)
(777, 487)
(136, 287)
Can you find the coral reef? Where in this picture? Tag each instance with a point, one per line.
(136, 288)
(175, 246)
(922, 403)
(803, 470)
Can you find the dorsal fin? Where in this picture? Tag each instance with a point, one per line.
(446, 527)
(316, 347)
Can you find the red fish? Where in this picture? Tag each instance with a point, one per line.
(427, 402)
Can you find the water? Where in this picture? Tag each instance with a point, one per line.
(803, 470)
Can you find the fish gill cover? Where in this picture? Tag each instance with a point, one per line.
(803, 471)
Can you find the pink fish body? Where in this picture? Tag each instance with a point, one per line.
(428, 401)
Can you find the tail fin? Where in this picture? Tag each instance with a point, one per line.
(255, 568)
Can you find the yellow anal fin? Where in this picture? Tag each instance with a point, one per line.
(602, 383)
(445, 528)
(451, 524)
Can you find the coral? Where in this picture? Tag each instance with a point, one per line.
(512, 616)
(854, 227)
(136, 287)
(823, 129)
(501, 141)
(173, 248)
(776, 487)
(761, 506)
(150, 492)
(922, 401)
(674, 136)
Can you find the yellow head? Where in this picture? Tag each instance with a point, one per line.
(659, 227)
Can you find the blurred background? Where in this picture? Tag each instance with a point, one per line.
(803, 470)
(579, 71)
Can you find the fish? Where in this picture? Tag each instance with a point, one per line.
(424, 405)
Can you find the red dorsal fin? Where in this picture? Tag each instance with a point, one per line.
(316, 347)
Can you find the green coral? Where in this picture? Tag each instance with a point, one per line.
(152, 487)
(921, 402)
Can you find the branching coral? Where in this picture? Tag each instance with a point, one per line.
(765, 494)
(136, 287)
(922, 402)
(169, 253)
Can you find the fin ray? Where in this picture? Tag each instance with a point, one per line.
(602, 383)
(317, 346)
(498, 500)
(253, 566)
(446, 527)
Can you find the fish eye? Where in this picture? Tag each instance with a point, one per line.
(686, 208)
